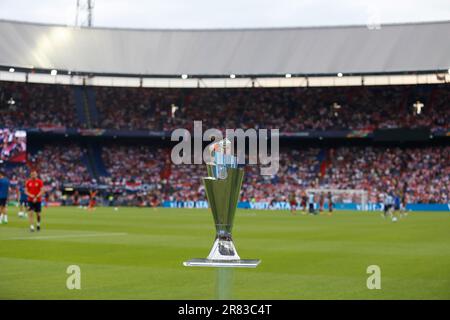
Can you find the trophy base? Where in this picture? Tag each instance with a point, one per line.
(241, 263)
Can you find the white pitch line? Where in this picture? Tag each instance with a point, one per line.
(68, 236)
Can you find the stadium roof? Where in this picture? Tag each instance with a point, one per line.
(393, 48)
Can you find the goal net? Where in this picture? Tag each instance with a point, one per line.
(356, 196)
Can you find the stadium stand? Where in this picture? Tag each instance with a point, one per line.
(60, 164)
(296, 109)
(423, 172)
(127, 96)
(37, 106)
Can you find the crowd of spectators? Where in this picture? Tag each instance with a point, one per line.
(133, 165)
(144, 174)
(136, 108)
(423, 173)
(289, 109)
(37, 106)
(60, 164)
(136, 166)
(57, 166)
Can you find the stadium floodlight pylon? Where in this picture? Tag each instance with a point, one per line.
(223, 186)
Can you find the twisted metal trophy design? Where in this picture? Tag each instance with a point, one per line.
(223, 186)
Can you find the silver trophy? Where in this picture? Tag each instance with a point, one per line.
(223, 186)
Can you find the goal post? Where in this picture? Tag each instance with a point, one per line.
(357, 196)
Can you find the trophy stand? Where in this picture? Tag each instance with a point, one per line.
(224, 283)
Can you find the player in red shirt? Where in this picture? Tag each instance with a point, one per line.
(34, 189)
(321, 202)
(92, 200)
(293, 202)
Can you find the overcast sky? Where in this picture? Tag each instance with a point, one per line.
(228, 13)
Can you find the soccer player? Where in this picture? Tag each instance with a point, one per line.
(330, 203)
(292, 202)
(34, 189)
(397, 205)
(321, 202)
(22, 196)
(46, 199)
(388, 204)
(4, 190)
(304, 201)
(403, 211)
(76, 200)
(110, 200)
(92, 200)
(311, 203)
(154, 200)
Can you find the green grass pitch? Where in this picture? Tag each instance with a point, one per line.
(136, 253)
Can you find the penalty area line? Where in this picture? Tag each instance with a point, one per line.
(68, 236)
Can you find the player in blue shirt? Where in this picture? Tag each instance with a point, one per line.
(397, 204)
(23, 199)
(4, 190)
